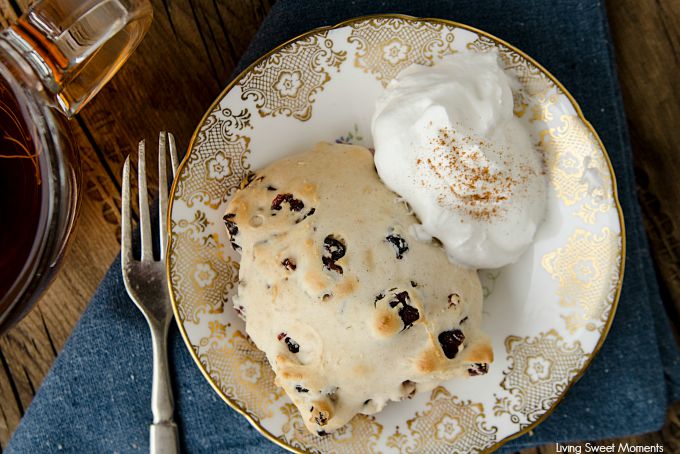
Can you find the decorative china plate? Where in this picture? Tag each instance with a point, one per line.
(548, 314)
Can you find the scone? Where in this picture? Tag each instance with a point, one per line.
(351, 310)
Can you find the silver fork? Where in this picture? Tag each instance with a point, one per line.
(146, 283)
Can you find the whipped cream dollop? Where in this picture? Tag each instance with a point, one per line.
(447, 141)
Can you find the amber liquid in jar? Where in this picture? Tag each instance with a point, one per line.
(21, 192)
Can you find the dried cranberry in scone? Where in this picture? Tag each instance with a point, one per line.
(232, 229)
(293, 203)
(451, 341)
(334, 249)
(399, 244)
(393, 313)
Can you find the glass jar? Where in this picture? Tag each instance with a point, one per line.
(53, 60)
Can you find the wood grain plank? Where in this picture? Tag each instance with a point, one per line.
(8, 13)
(671, 431)
(11, 410)
(191, 43)
(647, 38)
(21, 5)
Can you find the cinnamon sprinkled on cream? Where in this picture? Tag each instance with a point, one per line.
(448, 142)
(469, 182)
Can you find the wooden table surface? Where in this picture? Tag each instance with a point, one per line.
(196, 43)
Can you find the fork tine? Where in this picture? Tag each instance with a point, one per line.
(173, 154)
(144, 218)
(162, 190)
(126, 221)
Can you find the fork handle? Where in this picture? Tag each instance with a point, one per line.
(163, 432)
(163, 438)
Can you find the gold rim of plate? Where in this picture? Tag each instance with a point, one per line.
(579, 112)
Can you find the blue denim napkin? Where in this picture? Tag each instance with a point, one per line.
(96, 397)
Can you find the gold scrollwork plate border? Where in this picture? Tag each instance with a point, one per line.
(348, 22)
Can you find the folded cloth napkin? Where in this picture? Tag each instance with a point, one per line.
(96, 397)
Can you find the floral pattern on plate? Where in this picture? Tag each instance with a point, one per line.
(547, 314)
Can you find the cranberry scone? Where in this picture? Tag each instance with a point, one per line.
(351, 310)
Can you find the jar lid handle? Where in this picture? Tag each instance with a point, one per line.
(76, 46)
